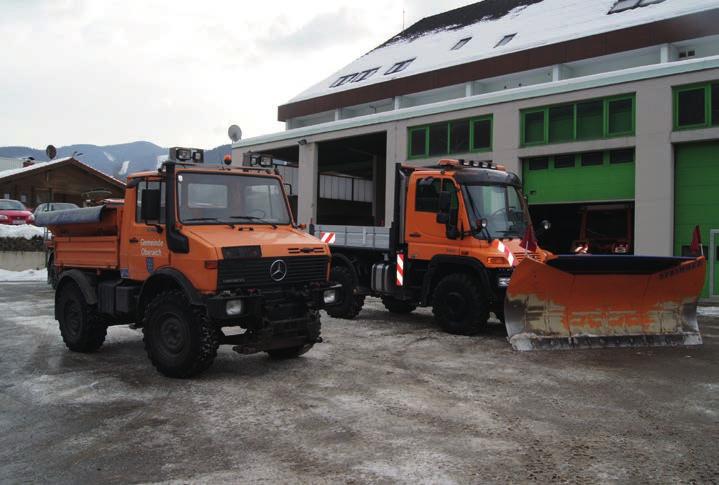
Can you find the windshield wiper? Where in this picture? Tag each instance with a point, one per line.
(215, 219)
(258, 219)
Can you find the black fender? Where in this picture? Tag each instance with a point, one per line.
(343, 260)
(465, 265)
(86, 282)
(167, 278)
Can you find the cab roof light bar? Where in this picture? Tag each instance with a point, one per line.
(448, 162)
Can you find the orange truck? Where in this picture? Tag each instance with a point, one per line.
(454, 245)
(197, 256)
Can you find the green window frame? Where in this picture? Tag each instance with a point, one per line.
(579, 121)
(427, 130)
(710, 91)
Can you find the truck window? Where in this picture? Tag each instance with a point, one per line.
(238, 199)
(427, 197)
(153, 186)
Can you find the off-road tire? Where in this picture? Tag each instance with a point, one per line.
(81, 328)
(399, 307)
(179, 339)
(290, 352)
(351, 304)
(459, 305)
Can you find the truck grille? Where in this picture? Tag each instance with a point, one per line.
(234, 273)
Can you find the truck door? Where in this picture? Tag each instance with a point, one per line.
(147, 247)
(424, 235)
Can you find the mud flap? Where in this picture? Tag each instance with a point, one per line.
(604, 301)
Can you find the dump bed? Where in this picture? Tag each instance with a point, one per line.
(355, 237)
(85, 238)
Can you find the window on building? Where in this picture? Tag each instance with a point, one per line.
(644, 3)
(590, 120)
(399, 66)
(715, 104)
(461, 43)
(565, 161)
(561, 123)
(539, 163)
(592, 158)
(459, 136)
(586, 120)
(427, 197)
(691, 107)
(505, 40)
(622, 5)
(534, 127)
(620, 113)
(451, 137)
(438, 140)
(344, 80)
(417, 142)
(365, 75)
(482, 134)
(624, 155)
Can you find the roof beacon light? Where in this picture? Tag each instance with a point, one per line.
(448, 162)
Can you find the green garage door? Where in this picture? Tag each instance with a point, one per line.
(580, 177)
(696, 200)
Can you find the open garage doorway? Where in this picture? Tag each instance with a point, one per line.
(286, 160)
(351, 185)
(603, 228)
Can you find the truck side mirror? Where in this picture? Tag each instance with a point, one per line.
(445, 201)
(150, 210)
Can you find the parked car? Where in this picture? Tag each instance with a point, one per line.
(14, 212)
(54, 206)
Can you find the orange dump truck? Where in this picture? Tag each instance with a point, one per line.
(454, 245)
(196, 256)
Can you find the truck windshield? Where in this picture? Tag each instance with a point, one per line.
(502, 206)
(211, 198)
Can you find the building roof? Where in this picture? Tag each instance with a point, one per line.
(496, 29)
(55, 164)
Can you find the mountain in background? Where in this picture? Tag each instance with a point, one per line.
(109, 159)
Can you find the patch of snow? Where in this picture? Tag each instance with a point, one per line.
(25, 231)
(125, 167)
(27, 275)
(109, 156)
(547, 22)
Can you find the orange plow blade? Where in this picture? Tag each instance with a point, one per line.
(604, 301)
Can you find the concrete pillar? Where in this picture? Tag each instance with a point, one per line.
(393, 157)
(468, 91)
(667, 53)
(654, 176)
(505, 137)
(397, 102)
(338, 114)
(307, 176)
(559, 72)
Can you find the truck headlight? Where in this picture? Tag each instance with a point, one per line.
(234, 307)
(330, 296)
(503, 281)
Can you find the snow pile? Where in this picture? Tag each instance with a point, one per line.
(25, 231)
(27, 275)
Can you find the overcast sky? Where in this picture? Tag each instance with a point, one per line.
(175, 72)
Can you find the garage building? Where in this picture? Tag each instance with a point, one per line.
(608, 110)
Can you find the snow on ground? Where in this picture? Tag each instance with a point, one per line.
(27, 275)
(25, 231)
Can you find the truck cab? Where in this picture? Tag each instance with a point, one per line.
(192, 251)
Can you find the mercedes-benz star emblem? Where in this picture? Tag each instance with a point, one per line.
(278, 270)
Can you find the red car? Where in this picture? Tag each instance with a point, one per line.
(14, 212)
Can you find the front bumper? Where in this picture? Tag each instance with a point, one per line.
(271, 304)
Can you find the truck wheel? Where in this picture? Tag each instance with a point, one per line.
(394, 305)
(351, 304)
(290, 352)
(80, 325)
(459, 306)
(179, 339)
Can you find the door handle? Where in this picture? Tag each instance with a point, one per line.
(414, 234)
(134, 240)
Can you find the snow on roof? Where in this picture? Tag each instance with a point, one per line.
(42, 165)
(534, 23)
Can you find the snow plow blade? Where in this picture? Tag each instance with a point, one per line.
(604, 301)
